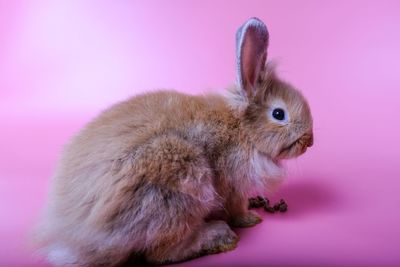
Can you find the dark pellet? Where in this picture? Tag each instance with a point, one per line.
(269, 209)
(283, 207)
(260, 198)
(255, 203)
(252, 203)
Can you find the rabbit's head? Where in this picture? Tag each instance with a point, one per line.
(274, 115)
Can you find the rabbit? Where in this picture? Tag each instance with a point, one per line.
(166, 175)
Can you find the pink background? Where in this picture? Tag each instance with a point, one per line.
(61, 62)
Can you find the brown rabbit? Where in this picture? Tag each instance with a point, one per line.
(165, 174)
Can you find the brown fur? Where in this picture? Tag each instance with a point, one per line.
(156, 174)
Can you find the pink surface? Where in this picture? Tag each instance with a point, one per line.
(62, 62)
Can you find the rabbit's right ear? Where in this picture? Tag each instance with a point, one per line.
(251, 53)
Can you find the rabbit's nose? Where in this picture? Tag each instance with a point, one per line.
(310, 140)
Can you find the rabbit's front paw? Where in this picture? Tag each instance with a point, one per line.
(249, 219)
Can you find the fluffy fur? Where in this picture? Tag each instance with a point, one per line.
(166, 174)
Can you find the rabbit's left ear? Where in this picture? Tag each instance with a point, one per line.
(251, 53)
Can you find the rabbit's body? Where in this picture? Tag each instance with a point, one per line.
(144, 156)
(166, 174)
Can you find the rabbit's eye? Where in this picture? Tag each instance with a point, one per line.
(278, 114)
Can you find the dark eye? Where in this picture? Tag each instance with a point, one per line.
(278, 114)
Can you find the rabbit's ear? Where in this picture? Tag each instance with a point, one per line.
(251, 53)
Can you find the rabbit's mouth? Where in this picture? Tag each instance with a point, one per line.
(298, 147)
